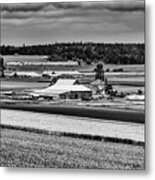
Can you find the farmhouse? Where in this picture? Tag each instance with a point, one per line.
(98, 86)
(66, 89)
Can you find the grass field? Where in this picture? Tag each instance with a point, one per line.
(24, 58)
(126, 67)
(19, 85)
(27, 149)
(99, 112)
(75, 125)
(37, 58)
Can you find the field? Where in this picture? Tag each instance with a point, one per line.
(26, 58)
(128, 89)
(132, 74)
(20, 85)
(85, 67)
(74, 125)
(27, 149)
(126, 68)
(99, 112)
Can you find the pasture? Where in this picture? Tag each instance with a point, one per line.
(84, 67)
(77, 125)
(83, 111)
(20, 85)
(24, 58)
(28, 149)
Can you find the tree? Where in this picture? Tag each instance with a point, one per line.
(99, 72)
(117, 53)
(2, 67)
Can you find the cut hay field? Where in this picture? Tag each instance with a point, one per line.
(91, 112)
(74, 125)
(128, 89)
(37, 58)
(24, 58)
(19, 85)
(28, 149)
(125, 67)
(132, 74)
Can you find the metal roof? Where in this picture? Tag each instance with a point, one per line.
(52, 92)
(65, 82)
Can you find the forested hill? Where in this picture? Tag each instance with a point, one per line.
(87, 52)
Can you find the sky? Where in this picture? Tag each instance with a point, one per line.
(44, 23)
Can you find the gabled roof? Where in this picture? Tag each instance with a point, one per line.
(51, 92)
(65, 82)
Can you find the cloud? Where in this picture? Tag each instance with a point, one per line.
(111, 6)
(22, 7)
(88, 19)
(124, 6)
(14, 13)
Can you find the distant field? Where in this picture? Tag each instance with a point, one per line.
(21, 58)
(130, 80)
(126, 67)
(15, 85)
(27, 149)
(127, 81)
(74, 110)
(128, 89)
(35, 58)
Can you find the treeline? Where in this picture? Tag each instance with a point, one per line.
(86, 52)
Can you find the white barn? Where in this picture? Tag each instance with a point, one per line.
(66, 89)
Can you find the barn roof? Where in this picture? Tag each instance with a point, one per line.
(53, 92)
(65, 82)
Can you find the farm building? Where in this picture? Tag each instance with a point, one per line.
(135, 97)
(66, 89)
(98, 86)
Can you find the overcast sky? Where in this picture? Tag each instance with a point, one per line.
(41, 23)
